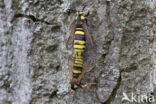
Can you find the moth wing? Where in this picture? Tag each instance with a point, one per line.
(89, 41)
(70, 66)
(70, 39)
(85, 70)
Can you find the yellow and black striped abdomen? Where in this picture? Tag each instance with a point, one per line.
(79, 46)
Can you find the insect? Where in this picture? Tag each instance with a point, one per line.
(81, 40)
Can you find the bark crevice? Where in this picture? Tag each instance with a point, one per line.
(31, 17)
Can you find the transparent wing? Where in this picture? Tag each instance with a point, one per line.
(89, 41)
(71, 36)
(70, 66)
(85, 70)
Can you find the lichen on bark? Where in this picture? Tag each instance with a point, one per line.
(33, 56)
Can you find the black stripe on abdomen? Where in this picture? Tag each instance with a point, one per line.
(79, 37)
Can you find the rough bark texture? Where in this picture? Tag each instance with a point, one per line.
(33, 57)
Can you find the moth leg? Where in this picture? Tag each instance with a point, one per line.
(92, 68)
(87, 84)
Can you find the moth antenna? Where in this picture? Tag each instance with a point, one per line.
(91, 7)
(83, 7)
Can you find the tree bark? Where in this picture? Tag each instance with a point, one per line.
(33, 56)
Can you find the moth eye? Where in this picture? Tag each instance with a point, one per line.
(75, 86)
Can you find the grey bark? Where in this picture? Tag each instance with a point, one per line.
(33, 56)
